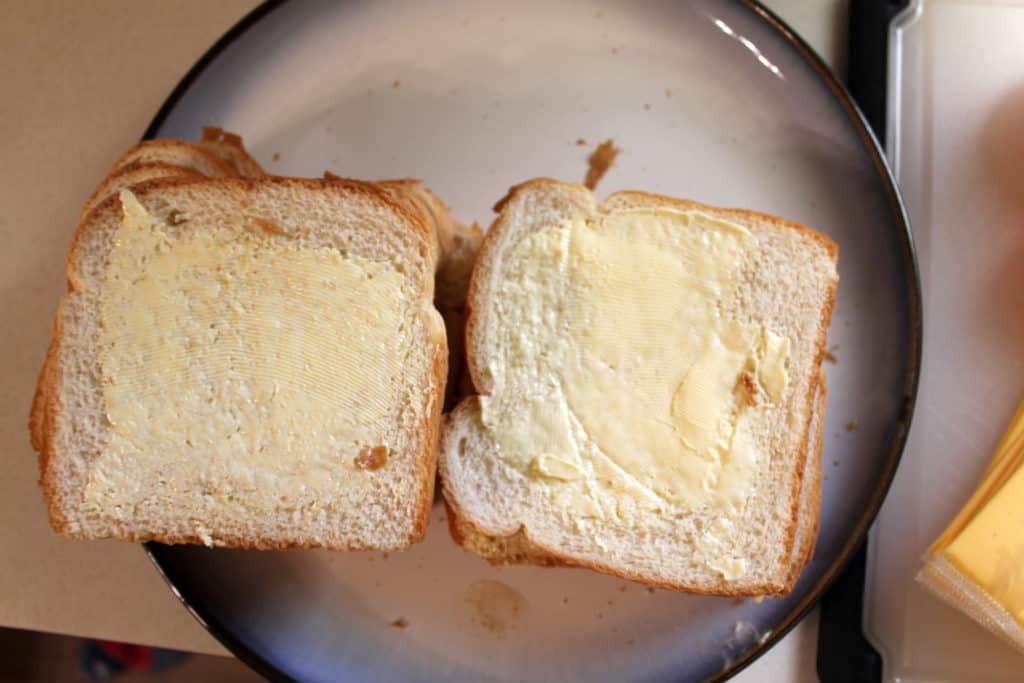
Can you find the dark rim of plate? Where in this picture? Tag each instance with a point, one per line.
(267, 669)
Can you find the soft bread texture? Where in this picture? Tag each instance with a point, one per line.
(458, 244)
(508, 516)
(68, 419)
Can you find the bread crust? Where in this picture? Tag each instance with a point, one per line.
(230, 148)
(177, 152)
(45, 411)
(463, 529)
(810, 500)
(133, 174)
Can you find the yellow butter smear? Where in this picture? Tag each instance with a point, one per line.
(636, 373)
(239, 365)
(977, 564)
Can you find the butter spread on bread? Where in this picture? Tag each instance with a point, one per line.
(647, 370)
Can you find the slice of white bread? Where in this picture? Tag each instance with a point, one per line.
(322, 368)
(562, 459)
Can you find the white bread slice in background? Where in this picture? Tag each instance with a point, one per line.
(125, 177)
(503, 509)
(172, 498)
(177, 153)
(229, 147)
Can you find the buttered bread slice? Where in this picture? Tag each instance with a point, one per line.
(649, 396)
(249, 364)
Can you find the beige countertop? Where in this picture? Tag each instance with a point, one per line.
(82, 82)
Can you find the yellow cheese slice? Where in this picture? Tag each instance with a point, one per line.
(977, 564)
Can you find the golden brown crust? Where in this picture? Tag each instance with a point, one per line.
(230, 148)
(197, 159)
(37, 414)
(47, 390)
(810, 504)
(132, 174)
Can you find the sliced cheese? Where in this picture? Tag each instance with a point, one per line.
(977, 563)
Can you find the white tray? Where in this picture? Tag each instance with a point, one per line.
(956, 140)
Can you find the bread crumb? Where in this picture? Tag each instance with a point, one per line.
(611, 602)
(650, 590)
(668, 93)
(630, 641)
(276, 157)
(565, 601)
(831, 357)
(396, 83)
(622, 588)
(737, 601)
(615, 50)
(266, 225)
(851, 425)
(384, 556)
(835, 463)
(599, 161)
(400, 622)
(598, 14)
(647, 107)
(581, 142)
(371, 458)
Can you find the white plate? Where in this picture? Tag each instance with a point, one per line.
(708, 100)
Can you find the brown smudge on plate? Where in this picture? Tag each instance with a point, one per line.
(599, 161)
(494, 606)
